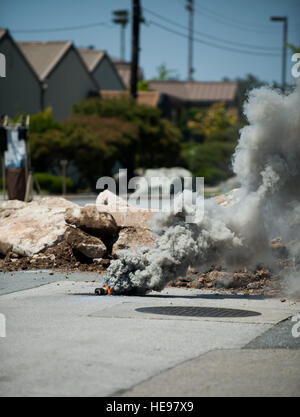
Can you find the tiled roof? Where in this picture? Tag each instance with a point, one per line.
(124, 71)
(146, 98)
(197, 91)
(43, 56)
(91, 57)
(2, 32)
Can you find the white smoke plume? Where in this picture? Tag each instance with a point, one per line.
(267, 164)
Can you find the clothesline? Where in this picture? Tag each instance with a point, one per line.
(13, 146)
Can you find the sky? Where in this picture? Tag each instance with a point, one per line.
(232, 37)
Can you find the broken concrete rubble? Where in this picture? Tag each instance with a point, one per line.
(229, 198)
(89, 246)
(107, 198)
(124, 214)
(54, 233)
(133, 238)
(29, 228)
(92, 221)
(10, 206)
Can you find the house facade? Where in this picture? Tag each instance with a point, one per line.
(102, 69)
(64, 77)
(20, 89)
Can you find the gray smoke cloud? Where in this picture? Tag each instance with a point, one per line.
(267, 164)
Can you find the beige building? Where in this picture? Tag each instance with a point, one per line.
(102, 69)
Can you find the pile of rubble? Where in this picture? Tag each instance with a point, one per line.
(54, 233)
(258, 282)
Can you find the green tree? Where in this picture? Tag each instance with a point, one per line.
(40, 122)
(101, 132)
(159, 141)
(293, 48)
(212, 134)
(143, 85)
(165, 74)
(91, 143)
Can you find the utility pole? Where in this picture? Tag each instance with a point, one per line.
(190, 8)
(136, 13)
(283, 19)
(121, 18)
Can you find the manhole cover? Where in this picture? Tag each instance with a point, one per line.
(198, 311)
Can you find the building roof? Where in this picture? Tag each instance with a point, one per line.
(43, 56)
(197, 91)
(5, 33)
(146, 98)
(2, 32)
(124, 71)
(91, 57)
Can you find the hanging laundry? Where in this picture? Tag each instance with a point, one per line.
(15, 162)
(16, 149)
(16, 183)
(3, 139)
(23, 133)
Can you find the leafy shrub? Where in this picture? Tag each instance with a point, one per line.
(214, 132)
(158, 140)
(91, 143)
(211, 160)
(40, 122)
(53, 183)
(199, 123)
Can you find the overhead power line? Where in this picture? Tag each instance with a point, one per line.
(224, 48)
(61, 29)
(232, 23)
(235, 21)
(240, 44)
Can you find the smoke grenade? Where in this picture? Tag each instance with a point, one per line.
(266, 206)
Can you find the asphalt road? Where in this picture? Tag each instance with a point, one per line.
(62, 340)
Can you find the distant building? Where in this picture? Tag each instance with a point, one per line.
(124, 71)
(20, 90)
(173, 97)
(102, 69)
(63, 76)
(145, 98)
(180, 95)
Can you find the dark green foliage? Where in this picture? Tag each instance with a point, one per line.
(43, 121)
(52, 184)
(101, 132)
(211, 160)
(91, 143)
(159, 141)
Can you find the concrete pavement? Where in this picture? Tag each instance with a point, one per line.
(228, 373)
(63, 341)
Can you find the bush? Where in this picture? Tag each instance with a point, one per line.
(43, 121)
(95, 143)
(53, 183)
(101, 132)
(214, 132)
(158, 140)
(211, 160)
(90, 143)
(200, 123)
